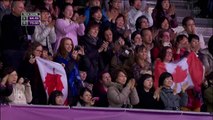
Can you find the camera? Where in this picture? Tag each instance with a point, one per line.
(77, 48)
(26, 80)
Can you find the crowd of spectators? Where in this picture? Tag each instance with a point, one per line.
(109, 49)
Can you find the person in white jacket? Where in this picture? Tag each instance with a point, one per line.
(136, 12)
(45, 32)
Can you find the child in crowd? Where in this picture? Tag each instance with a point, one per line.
(56, 98)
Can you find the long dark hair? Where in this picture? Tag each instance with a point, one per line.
(61, 49)
(53, 95)
(61, 14)
(81, 93)
(140, 82)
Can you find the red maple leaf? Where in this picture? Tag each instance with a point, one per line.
(53, 82)
(179, 75)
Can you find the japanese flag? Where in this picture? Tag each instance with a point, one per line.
(53, 76)
(189, 69)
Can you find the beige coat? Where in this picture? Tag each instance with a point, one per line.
(21, 94)
(119, 96)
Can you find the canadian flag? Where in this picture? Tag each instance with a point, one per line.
(53, 76)
(189, 69)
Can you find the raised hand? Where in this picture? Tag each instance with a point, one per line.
(184, 86)
(80, 19)
(175, 89)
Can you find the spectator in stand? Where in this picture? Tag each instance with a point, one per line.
(93, 3)
(97, 17)
(163, 40)
(141, 65)
(108, 37)
(147, 38)
(164, 8)
(163, 24)
(149, 97)
(69, 58)
(92, 50)
(121, 54)
(51, 6)
(114, 10)
(208, 57)
(169, 96)
(6, 88)
(182, 47)
(4, 10)
(136, 12)
(166, 56)
(194, 43)
(120, 94)
(65, 27)
(189, 26)
(15, 38)
(141, 23)
(56, 98)
(86, 98)
(136, 39)
(45, 32)
(100, 89)
(22, 93)
(29, 69)
(194, 96)
(120, 29)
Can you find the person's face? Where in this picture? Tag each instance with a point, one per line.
(68, 12)
(108, 35)
(48, 2)
(97, 15)
(38, 51)
(184, 42)
(12, 77)
(87, 96)
(116, 4)
(120, 22)
(165, 24)
(190, 27)
(45, 54)
(18, 8)
(106, 79)
(68, 45)
(147, 38)
(6, 3)
(143, 54)
(165, 4)
(169, 55)
(166, 37)
(138, 40)
(195, 44)
(137, 4)
(144, 23)
(59, 100)
(94, 31)
(121, 79)
(45, 16)
(148, 83)
(168, 82)
(83, 75)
